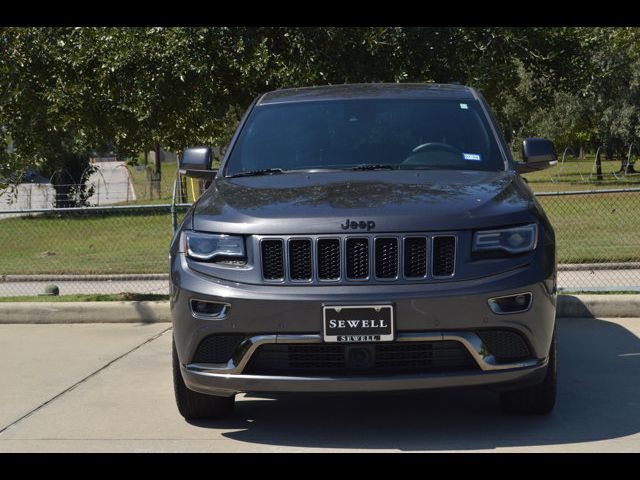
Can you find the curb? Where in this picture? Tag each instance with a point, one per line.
(598, 306)
(84, 278)
(159, 312)
(84, 312)
(581, 267)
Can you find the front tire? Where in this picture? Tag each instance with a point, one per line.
(538, 399)
(197, 406)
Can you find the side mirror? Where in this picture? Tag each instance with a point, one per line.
(196, 162)
(537, 154)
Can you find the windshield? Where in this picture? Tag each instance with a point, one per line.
(365, 134)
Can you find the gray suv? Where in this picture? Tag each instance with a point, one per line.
(360, 238)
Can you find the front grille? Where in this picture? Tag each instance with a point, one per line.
(381, 358)
(216, 348)
(415, 257)
(505, 345)
(300, 259)
(272, 259)
(357, 258)
(444, 255)
(386, 257)
(364, 258)
(329, 259)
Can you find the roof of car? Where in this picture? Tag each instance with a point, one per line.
(368, 90)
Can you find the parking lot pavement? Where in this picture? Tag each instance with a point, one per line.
(128, 405)
(36, 363)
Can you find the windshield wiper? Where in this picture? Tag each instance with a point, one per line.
(256, 173)
(375, 166)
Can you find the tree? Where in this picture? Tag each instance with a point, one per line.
(150, 88)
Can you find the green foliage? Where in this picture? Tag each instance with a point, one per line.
(67, 91)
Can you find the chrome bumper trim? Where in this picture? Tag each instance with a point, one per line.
(470, 340)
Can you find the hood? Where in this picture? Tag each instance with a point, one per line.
(395, 200)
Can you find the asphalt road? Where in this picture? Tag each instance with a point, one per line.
(108, 388)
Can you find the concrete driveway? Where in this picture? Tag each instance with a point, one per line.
(111, 184)
(108, 388)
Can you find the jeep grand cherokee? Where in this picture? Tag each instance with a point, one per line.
(360, 238)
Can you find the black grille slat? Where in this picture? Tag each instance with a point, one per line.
(357, 258)
(444, 256)
(300, 260)
(505, 345)
(390, 358)
(415, 257)
(328, 259)
(272, 259)
(370, 258)
(386, 258)
(216, 348)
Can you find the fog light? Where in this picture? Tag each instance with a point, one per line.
(520, 302)
(208, 310)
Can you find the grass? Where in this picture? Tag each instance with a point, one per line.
(577, 174)
(589, 228)
(113, 297)
(593, 228)
(86, 243)
(142, 184)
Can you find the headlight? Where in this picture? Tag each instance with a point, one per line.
(512, 240)
(208, 246)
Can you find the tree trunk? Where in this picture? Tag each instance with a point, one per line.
(62, 197)
(599, 166)
(608, 154)
(158, 167)
(146, 158)
(157, 172)
(626, 166)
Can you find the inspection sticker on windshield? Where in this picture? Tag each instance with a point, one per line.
(474, 157)
(464, 106)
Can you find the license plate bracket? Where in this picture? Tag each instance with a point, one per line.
(358, 323)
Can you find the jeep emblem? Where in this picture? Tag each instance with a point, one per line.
(361, 225)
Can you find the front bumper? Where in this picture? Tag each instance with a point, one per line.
(423, 312)
(227, 379)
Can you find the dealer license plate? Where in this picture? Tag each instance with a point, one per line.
(357, 323)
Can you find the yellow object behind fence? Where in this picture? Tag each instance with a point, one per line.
(193, 190)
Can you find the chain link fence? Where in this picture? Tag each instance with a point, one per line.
(86, 250)
(597, 237)
(106, 183)
(116, 249)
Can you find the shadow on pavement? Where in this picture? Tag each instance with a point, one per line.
(599, 399)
